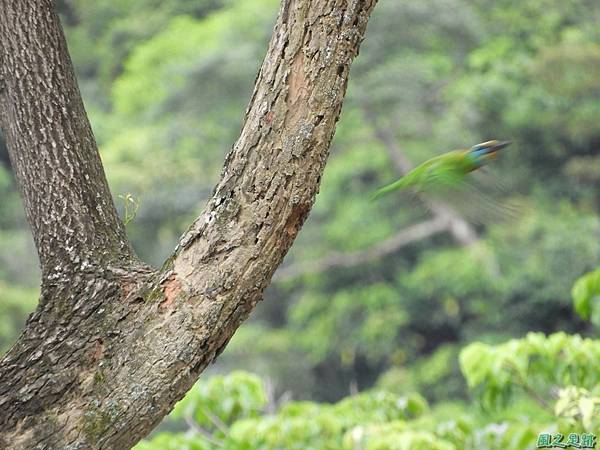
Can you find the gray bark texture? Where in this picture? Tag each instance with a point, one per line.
(114, 343)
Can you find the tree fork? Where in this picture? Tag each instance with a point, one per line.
(114, 344)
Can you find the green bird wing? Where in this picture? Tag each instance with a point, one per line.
(447, 171)
(443, 171)
(452, 179)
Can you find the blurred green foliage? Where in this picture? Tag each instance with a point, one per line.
(223, 400)
(531, 363)
(15, 301)
(586, 296)
(537, 368)
(166, 83)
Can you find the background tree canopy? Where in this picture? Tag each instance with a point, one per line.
(166, 83)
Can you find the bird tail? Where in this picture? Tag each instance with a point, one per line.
(396, 185)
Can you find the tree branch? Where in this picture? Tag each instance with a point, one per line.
(110, 350)
(218, 423)
(52, 149)
(205, 434)
(406, 236)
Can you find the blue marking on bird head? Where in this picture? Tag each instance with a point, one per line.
(482, 153)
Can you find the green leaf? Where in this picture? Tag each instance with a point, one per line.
(586, 293)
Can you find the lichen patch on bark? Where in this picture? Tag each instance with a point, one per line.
(296, 219)
(98, 350)
(297, 80)
(171, 289)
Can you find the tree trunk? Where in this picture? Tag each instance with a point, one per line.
(114, 344)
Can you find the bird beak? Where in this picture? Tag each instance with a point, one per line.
(499, 146)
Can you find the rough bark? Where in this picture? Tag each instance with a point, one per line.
(114, 344)
(51, 145)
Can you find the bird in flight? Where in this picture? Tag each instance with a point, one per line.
(450, 177)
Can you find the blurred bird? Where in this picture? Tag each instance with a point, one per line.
(449, 176)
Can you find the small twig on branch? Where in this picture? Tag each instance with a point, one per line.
(274, 403)
(519, 381)
(216, 421)
(195, 427)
